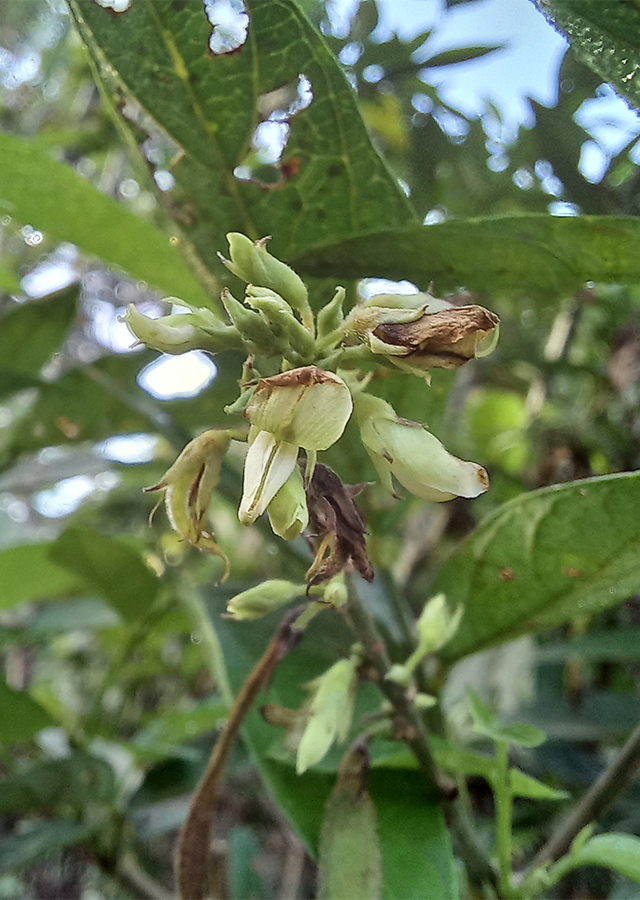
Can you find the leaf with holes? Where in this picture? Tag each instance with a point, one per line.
(605, 34)
(537, 254)
(219, 108)
(539, 561)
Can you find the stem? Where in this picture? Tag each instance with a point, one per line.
(504, 802)
(611, 783)
(414, 735)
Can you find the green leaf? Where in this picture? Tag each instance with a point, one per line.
(27, 573)
(533, 253)
(78, 779)
(336, 185)
(620, 852)
(417, 857)
(36, 189)
(167, 730)
(523, 785)
(38, 840)
(484, 723)
(621, 645)
(20, 715)
(538, 561)
(421, 865)
(349, 862)
(460, 55)
(109, 566)
(604, 34)
(30, 333)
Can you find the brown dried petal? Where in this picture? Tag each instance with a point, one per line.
(338, 524)
(444, 339)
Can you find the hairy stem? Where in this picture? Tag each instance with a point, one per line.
(504, 802)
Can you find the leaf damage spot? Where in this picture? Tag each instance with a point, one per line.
(230, 23)
(263, 164)
(506, 574)
(570, 572)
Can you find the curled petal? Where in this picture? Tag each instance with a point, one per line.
(268, 465)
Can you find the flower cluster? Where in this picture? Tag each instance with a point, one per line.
(304, 378)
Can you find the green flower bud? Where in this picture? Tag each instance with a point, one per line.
(276, 312)
(254, 264)
(410, 453)
(424, 701)
(188, 486)
(288, 513)
(333, 592)
(331, 712)
(252, 328)
(307, 407)
(399, 674)
(262, 599)
(199, 329)
(437, 624)
(331, 319)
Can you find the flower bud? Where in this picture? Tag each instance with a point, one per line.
(333, 592)
(250, 325)
(253, 263)
(262, 599)
(188, 486)
(307, 407)
(437, 624)
(410, 453)
(277, 314)
(288, 513)
(331, 318)
(399, 674)
(331, 712)
(199, 329)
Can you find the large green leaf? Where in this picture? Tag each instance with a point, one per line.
(27, 573)
(51, 196)
(532, 253)
(543, 558)
(109, 566)
(37, 841)
(31, 332)
(605, 34)
(416, 850)
(20, 715)
(336, 185)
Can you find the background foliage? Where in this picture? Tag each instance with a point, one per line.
(123, 192)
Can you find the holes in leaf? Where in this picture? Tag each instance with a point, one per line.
(263, 164)
(116, 6)
(230, 21)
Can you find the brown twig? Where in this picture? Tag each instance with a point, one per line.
(193, 841)
(611, 783)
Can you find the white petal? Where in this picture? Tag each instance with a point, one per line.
(268, 465)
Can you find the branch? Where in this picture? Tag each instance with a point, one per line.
(480, 870)
(611, 783)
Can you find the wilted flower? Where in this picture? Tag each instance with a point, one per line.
(262, 599)
(410, 453)
(198, 329)
(188, 486)
(304, 407)
(418, 332)
(330, 714)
